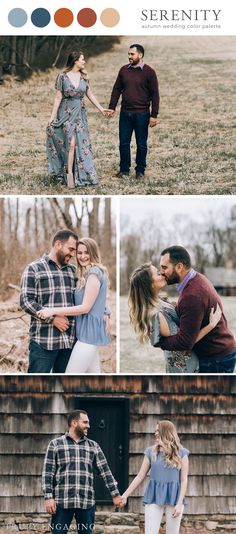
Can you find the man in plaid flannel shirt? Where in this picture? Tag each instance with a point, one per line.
(68, 484)
(50, 282)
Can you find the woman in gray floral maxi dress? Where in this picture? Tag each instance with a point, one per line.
(69, 149)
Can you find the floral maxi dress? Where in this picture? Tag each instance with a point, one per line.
(177, 361)
(71, 122)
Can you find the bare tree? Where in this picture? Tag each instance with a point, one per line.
(107, 231)
(22, 54)
(93, 216)
(27, 229)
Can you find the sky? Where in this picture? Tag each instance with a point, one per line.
(194, 206)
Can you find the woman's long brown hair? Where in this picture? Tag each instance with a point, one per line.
(72, 58)
(94, 256)
(143, 300)
(170, 444)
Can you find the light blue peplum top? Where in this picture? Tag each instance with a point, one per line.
(164, 485)
(91, 327)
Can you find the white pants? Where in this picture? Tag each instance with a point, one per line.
(83, 359)
(153, 517)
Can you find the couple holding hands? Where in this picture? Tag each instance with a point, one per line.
(68, 144)
(68, 483)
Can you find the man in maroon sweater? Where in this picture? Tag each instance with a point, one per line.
(138, 85)
(217, 350)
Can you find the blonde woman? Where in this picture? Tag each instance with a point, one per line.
(90, 307)
(69, 149)
(151, 317)
(167, 462)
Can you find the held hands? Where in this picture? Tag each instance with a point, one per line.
(61, 323)
(215, 316)
(108, 112)
(44, 313)
(119, 502)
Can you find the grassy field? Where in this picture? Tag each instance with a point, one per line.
(136, 358)
(191, 151)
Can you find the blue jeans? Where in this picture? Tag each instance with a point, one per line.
(61, 520)
(214, 365)
(44, 361)
(137, 122)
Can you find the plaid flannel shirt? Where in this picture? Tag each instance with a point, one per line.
(44, 284)
(68, 472)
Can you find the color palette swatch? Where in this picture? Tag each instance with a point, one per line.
(87, 17)
(63, 17)
(17, 17)
(40, 17)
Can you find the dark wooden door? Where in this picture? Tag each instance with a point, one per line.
(109, 426)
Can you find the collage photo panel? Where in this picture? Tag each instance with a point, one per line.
(118, 248)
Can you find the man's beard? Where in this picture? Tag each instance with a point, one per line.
(79, 432)
(61, 258)
(134, 62)
(173, 279)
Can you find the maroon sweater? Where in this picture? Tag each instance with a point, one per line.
(139, 89)
(193, 309)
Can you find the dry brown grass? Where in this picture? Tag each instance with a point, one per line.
(190, 151)
(14, 340)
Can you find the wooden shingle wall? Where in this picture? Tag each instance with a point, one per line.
(33, 411)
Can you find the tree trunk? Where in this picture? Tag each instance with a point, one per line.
(107, 232)
(93, 220)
